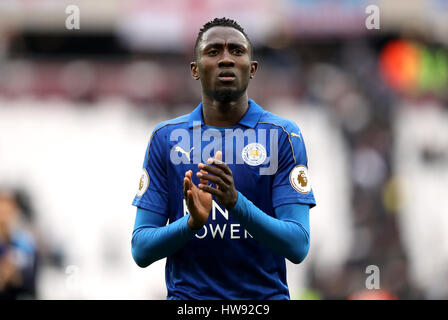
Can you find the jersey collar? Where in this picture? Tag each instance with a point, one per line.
(250, 118)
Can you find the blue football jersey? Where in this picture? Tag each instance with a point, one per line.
(268, 159)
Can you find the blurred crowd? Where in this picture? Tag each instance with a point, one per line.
(18, 247)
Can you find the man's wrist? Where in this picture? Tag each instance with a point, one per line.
(231, 206)
(237, 206)
(193, 225)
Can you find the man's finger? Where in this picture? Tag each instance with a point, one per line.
(189, 197)
(190, 179)
(219, 164)
(210, 169)
(216, 171)
(188, 184)
(212, 178)
(210, 190)
(201, 180)
(186, 187)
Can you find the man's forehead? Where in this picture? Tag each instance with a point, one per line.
(222, 35)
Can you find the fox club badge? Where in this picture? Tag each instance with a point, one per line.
(143, 183)
(299, 179)
(254, 154)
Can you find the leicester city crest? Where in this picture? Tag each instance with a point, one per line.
(254, 154)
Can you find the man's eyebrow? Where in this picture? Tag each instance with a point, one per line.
(221, 44)
(212, 44)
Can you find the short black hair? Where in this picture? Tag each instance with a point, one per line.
(220, 22)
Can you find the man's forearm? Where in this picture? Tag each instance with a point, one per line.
(287, 238)
(152, 242)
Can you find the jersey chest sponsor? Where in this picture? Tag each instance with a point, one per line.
(218, 226)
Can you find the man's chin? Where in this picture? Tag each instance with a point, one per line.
(226, 95)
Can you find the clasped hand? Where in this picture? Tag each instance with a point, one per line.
(199, 199)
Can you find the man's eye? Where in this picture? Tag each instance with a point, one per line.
(238, 51)
(212, 52)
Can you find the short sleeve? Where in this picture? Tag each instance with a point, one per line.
(152, 193)
(292, 181)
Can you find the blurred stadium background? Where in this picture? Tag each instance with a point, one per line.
(77, 108)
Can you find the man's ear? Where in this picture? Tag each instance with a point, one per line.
(253, 68)
(194, 70)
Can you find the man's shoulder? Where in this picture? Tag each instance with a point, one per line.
(272, 119)
(171, 124)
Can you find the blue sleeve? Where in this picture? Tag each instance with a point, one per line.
(292, 180)
(152, 191)
(153, 240)
(288, 235)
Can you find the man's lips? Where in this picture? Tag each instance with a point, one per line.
(226, 76)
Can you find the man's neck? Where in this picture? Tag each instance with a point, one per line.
(218, 114)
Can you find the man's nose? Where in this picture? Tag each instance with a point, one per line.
(226, 60)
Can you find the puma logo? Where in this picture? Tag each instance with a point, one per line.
(187, 154)
(295, 135)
